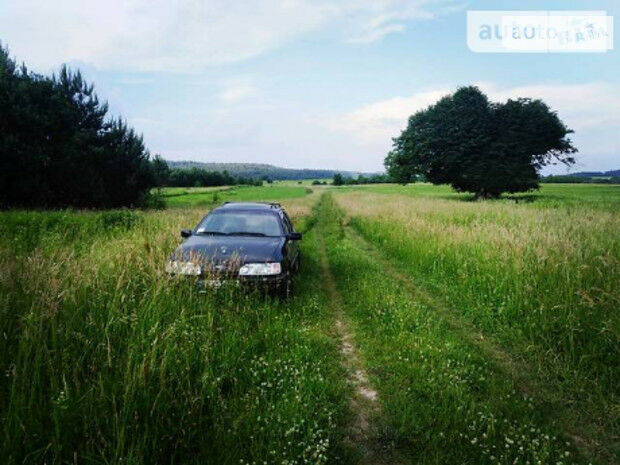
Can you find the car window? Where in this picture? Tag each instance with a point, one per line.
(285, 224)
(288, 223)
(230, 222)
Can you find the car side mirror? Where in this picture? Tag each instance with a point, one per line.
(294, 236)
(186, 232)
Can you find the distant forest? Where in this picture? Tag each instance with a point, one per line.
(585, 177)
(593, 174)
(265, 171)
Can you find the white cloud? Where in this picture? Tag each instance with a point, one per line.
(376, 33)
(580, 106)
(382, 120)
(375, 19)
(236, 90)
(155, 35)
(187, 35)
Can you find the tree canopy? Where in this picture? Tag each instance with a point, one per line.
(478, 146)
(59, 147)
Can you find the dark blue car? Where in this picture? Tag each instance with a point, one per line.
(252, 244)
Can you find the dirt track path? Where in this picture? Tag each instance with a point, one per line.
(365, 401)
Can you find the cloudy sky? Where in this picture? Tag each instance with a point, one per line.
(312, 84)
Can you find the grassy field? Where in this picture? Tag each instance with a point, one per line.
(550, 195)
(179, 197)
(424, 328)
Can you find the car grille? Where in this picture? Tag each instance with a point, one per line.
(218, 268)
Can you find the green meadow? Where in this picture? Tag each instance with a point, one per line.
(424, 328)
(179, 197)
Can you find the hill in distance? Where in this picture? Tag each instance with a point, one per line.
(277, 173)
(596, 174)
(259, 170)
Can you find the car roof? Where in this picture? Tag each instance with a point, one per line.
(265, 206)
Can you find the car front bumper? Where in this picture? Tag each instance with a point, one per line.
(247, 282)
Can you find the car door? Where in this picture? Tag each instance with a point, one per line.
(292, 247)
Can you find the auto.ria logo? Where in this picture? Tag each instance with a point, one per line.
(539, 31)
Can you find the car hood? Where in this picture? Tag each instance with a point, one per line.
(245, 249)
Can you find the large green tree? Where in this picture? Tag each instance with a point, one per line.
(478, 146)
(58, 147)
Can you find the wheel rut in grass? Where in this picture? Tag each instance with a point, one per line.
(365, 401)
(461, 326)
(514, 367)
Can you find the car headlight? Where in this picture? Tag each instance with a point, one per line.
(260, 269)
(186, 268)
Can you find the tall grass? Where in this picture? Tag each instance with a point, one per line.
(594, 196)
(542, 280)
(105, 359)
(442, 400)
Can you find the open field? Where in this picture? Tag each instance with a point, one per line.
(175, 197)
(424, 328)
(600, 196)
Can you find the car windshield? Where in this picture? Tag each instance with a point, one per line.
(240, 223)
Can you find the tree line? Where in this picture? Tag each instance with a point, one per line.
(197, 177)
(341, 180)
(571, 179)
(259, 170)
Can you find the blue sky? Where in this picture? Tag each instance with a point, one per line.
(304, 84)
